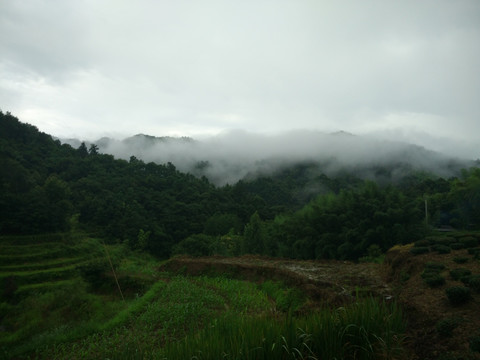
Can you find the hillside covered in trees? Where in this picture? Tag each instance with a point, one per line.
(49, 187)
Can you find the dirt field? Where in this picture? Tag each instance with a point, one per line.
(399, 278)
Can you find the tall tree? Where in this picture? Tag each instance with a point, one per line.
(254, 236)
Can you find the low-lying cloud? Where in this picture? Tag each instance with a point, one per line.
(234, 155)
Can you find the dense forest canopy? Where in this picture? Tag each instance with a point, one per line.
(298, 211)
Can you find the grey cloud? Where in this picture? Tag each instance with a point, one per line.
(269, 66)
(234, 155)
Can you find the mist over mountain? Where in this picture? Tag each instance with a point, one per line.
(235, 155)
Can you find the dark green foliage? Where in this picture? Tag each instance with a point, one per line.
(431, 274)
(254, 236)
(434, 280)
(361, 331)
(446, 326)
(442, 249)
(8, 288)
(434, 266)
(458, 295)
(422, 243)
(227, 245)
(469, 242)
(459, 273)
(440, 240)
(194, 245)
(456, 246)
(474, 251)
(93, 272)
(460, 259)
(44, 185)
(286, 299)
(474, 343)
(419, 250)
(472, 281)
(222, 224)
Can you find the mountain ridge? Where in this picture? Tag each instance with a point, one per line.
(236, 155)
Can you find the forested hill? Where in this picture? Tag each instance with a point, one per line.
(48, 187)
(236, 155)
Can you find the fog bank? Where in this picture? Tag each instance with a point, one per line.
(234, 155)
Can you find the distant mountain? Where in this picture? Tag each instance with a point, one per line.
(236, 155)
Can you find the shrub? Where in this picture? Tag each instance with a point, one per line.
(93, 272)
(431, 265)
(469, 242)
(443, 241)
(458, 295)
(429, 273)
(435, 280)
(473, 282)
(422, 243)
(439, 240)
(446, 326)
(460, 259)
(442, 249)
(456, 246)
(419, 250)
(474, 343)
(194, 245)
(459, 273)
(474, 251)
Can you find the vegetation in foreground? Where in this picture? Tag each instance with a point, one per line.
(170, 316)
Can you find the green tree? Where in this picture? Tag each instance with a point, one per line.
(93, 150)
(221, 224)
(254, 236)
(82, 150)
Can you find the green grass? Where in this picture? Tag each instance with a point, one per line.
(36, 276)
(44, 265)
(364, 330)
(172, 309)
(30, 289)
(56, 314)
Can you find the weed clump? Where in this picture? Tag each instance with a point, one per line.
(458, 295)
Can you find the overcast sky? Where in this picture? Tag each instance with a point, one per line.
(408, 70)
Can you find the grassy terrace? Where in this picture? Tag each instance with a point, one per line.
(67, 306)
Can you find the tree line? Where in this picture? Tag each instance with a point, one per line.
(51, 187)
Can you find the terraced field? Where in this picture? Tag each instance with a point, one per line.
(42, 283)
(60, 300)
(43, 265)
